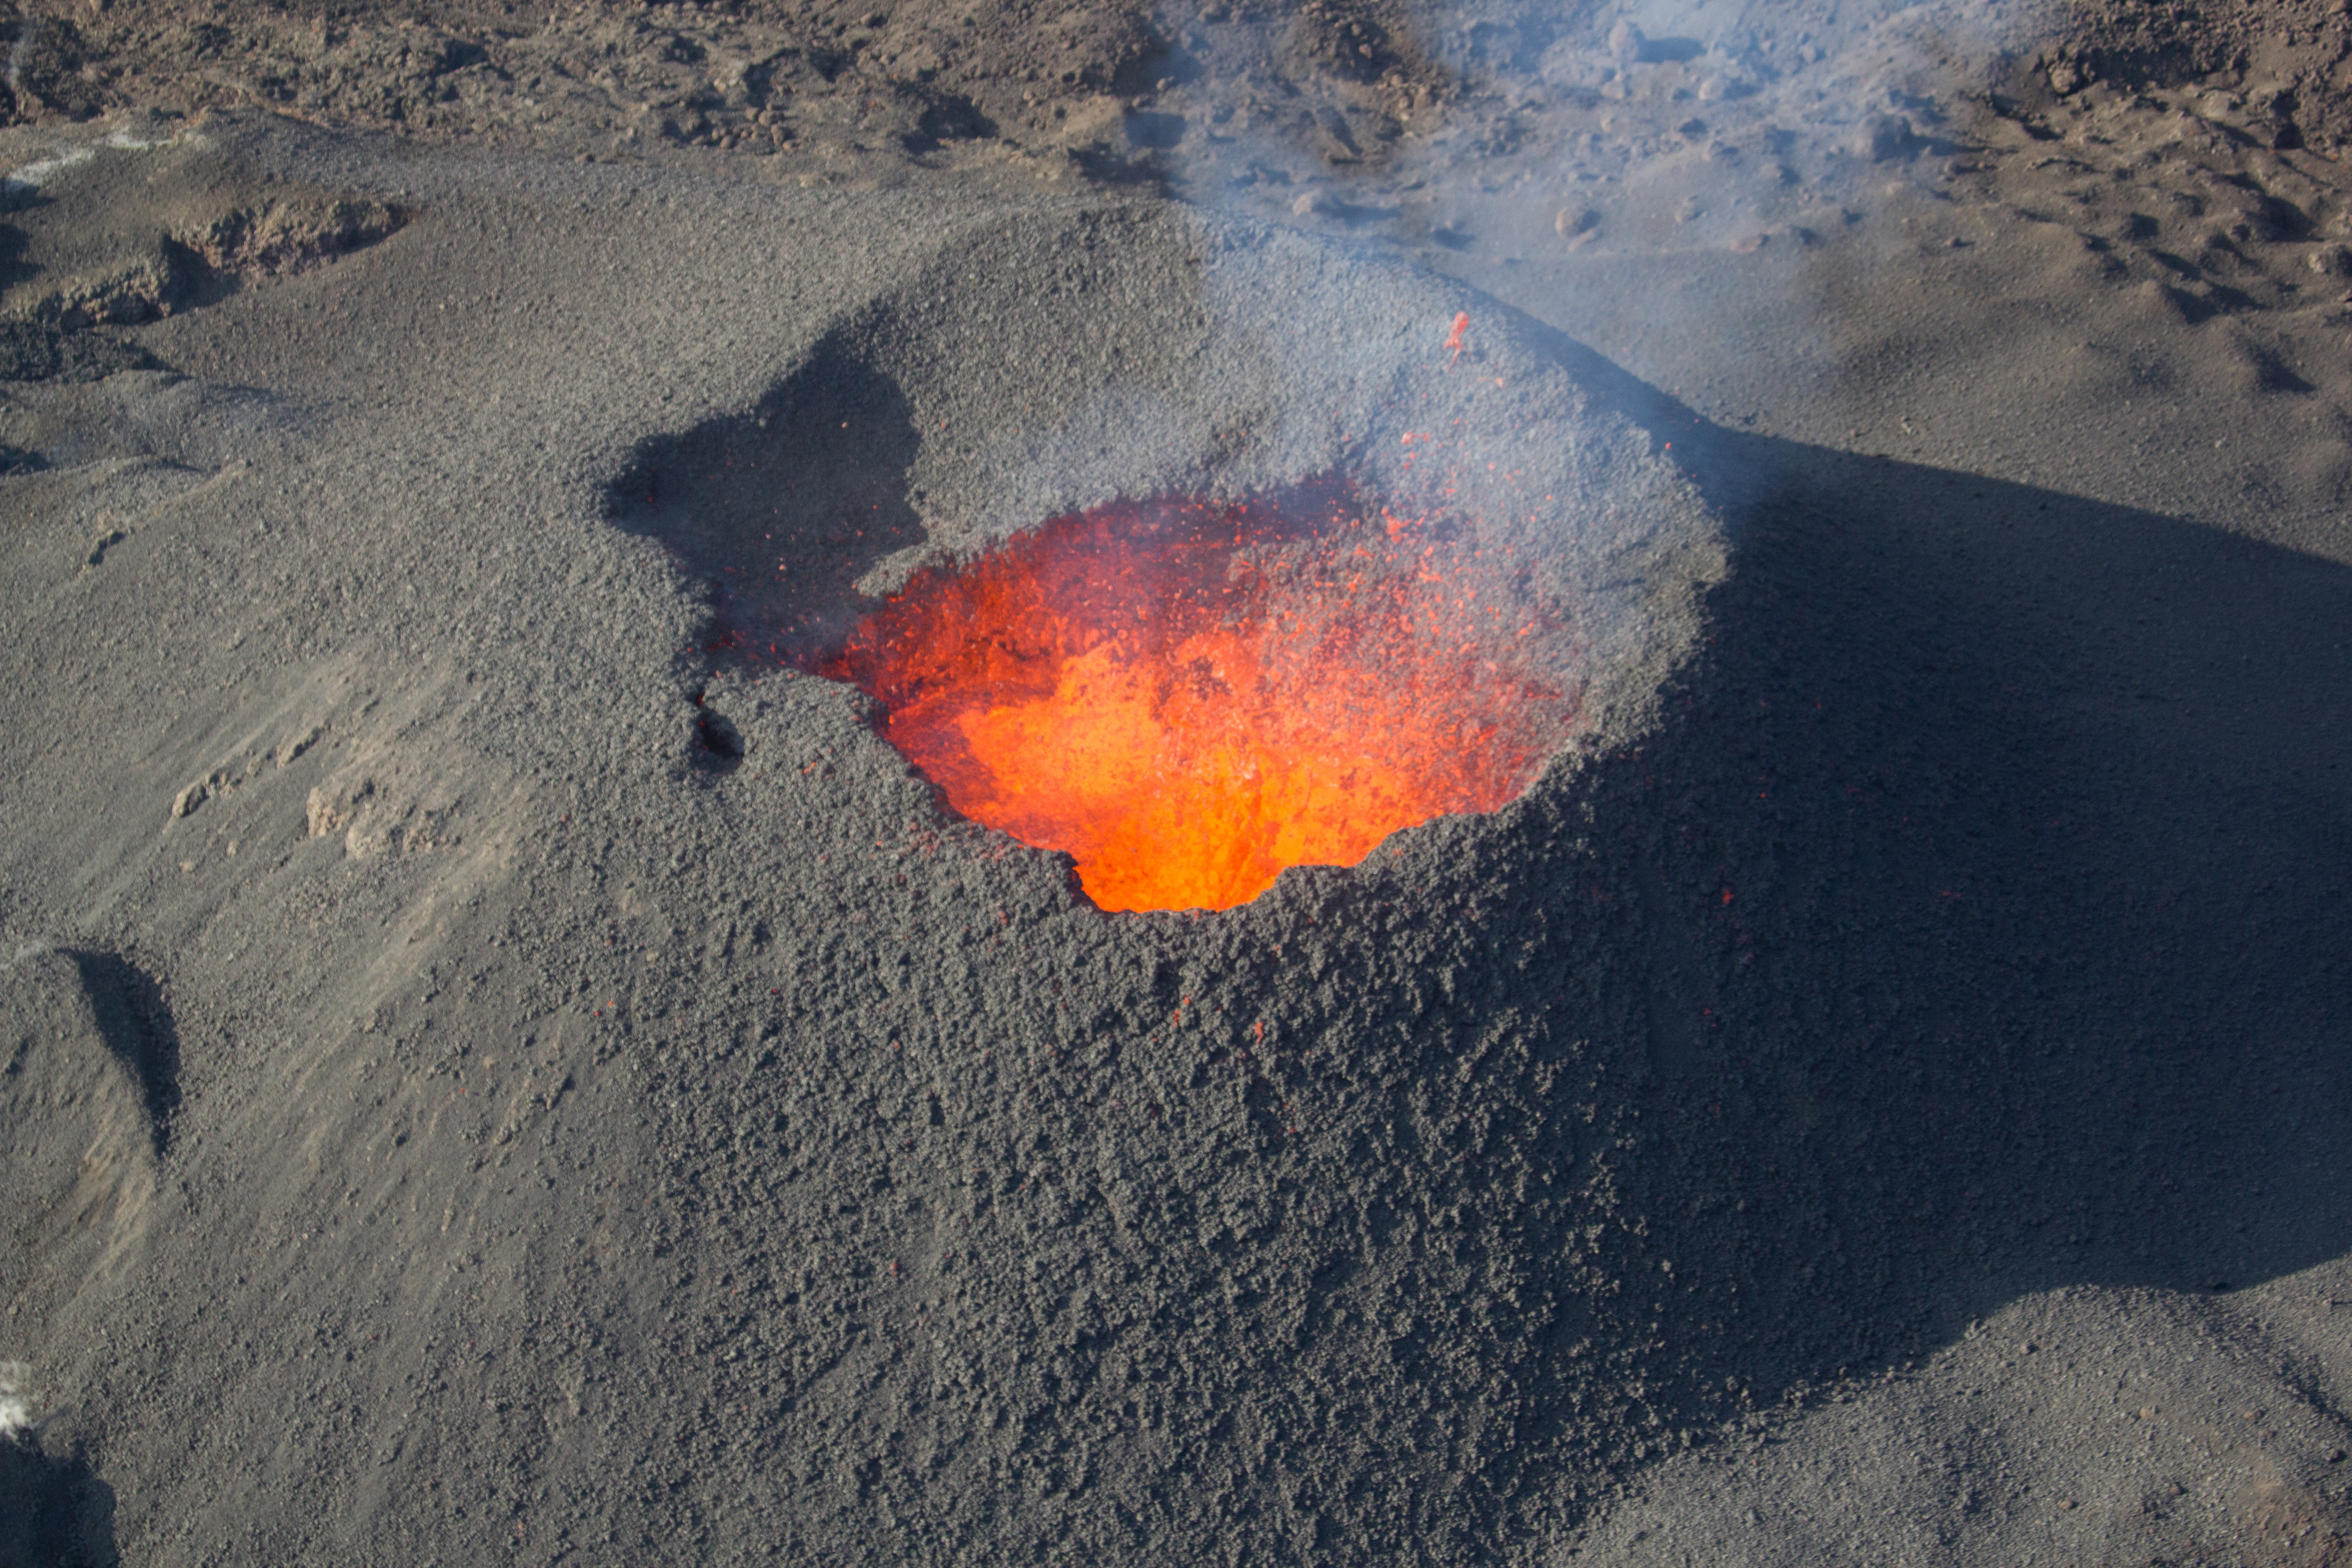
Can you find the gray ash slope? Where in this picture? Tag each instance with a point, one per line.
(584, 1146)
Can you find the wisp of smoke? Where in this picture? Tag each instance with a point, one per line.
(15, 1398)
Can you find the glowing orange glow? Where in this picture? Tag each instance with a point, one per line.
(1190, 697)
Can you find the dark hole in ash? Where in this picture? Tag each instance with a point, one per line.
(783, 509)
(718, 743)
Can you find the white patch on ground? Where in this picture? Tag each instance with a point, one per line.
(125, 138)
(130, 141)
(32, 177)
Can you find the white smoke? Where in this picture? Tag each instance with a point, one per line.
(16, 56)
(1628, 126)
(17, 1399)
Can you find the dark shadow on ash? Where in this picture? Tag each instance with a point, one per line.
(137, 1026)
(14, 268)
(43, 351)
(1657, 51)
(1993, 864)
(54, 1511)
(781, 511)
(1970, 926)
(947, 117)
(1158, 131)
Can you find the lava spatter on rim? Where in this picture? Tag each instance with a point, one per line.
(1189, 695)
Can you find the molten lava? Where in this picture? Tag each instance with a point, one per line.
(1188, 697)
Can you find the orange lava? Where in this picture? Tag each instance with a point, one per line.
(1189, 697)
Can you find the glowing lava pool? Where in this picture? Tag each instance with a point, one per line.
(1189, 695)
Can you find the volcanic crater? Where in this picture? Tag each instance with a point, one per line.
(1213, 649)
